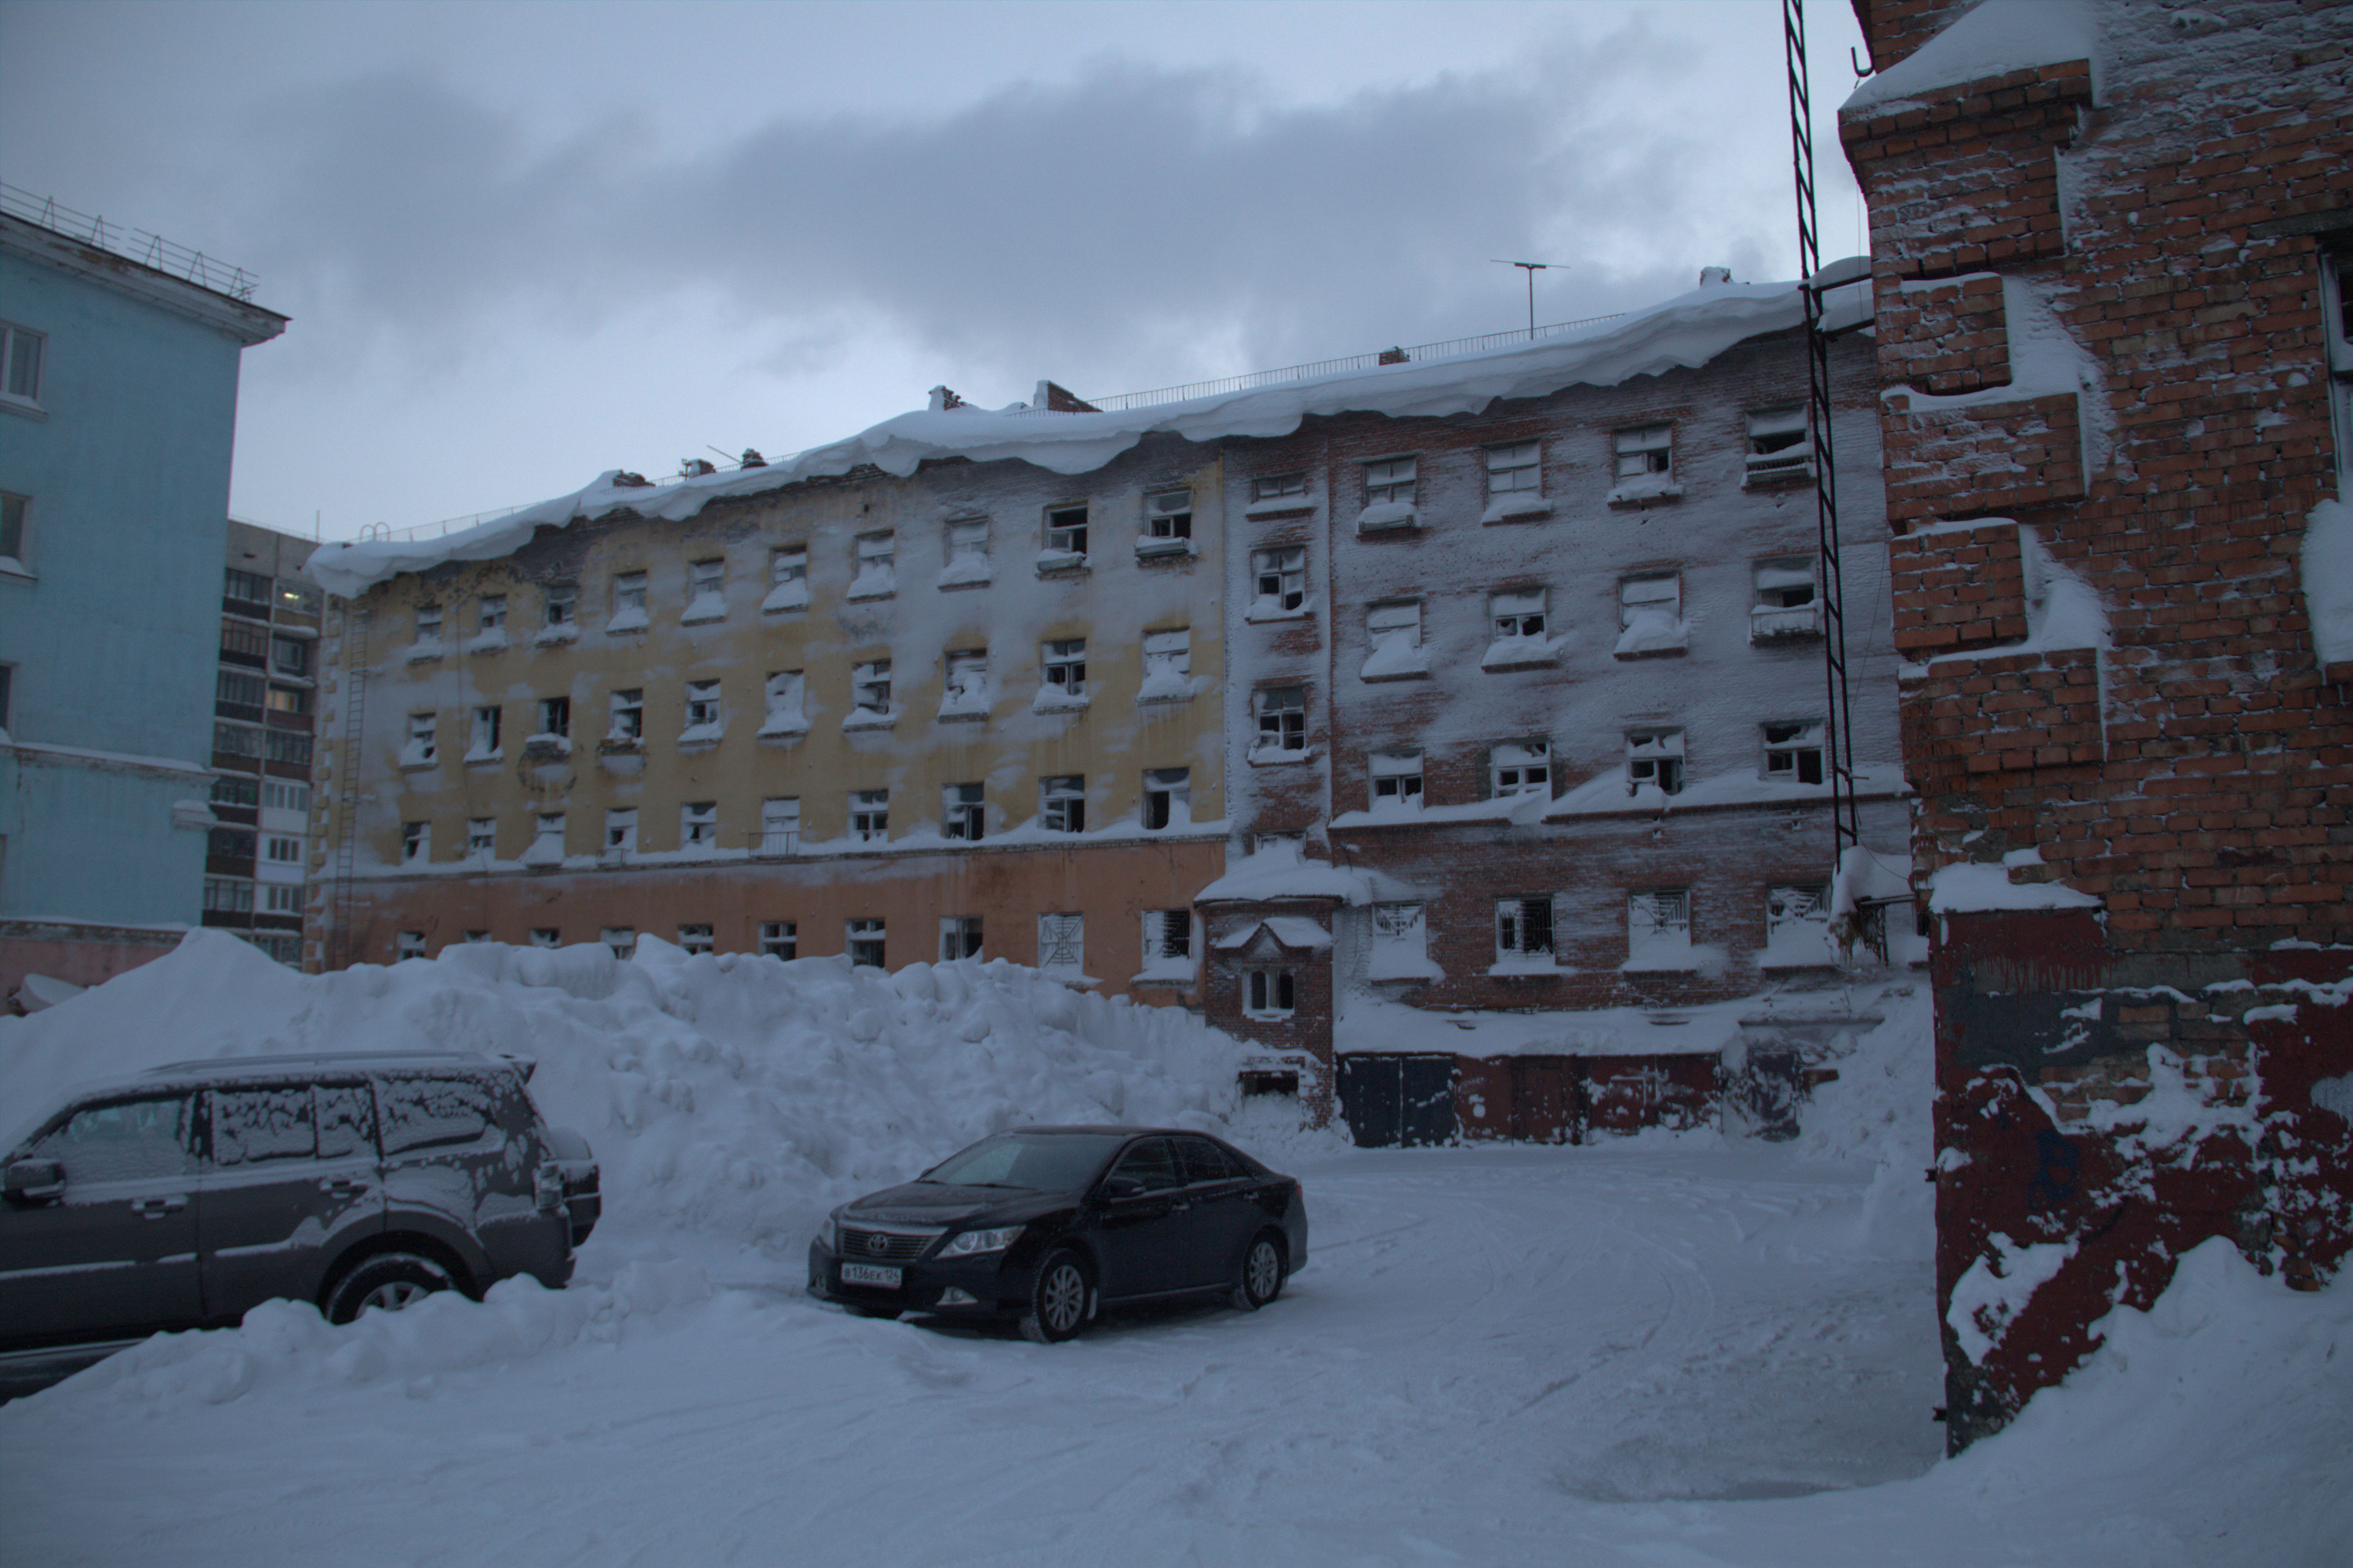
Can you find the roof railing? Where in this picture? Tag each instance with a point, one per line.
(130, 244)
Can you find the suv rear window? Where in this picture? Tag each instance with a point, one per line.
(418, 1113)
(271, 1123)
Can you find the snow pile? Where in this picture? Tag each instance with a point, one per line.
(1685, 331)
(1996, 38)
(288, 1342)
(2328, 580)
(731, 1094)
(1997, 1288)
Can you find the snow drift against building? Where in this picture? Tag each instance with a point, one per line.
(1681, 332)
(733, 1093)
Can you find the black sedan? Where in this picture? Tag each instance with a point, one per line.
(1046, 1224)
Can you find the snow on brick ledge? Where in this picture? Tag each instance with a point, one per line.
(1997, 38)
(1970, 888)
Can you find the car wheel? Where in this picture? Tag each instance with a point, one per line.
(387, 1282)
(1261, 1280)
(868, 1309)
(1058, 1302)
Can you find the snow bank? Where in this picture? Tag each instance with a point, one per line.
(1680, 333)
(730, 1094)
(1997, 37)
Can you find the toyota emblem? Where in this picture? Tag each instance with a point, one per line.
(877, 1242)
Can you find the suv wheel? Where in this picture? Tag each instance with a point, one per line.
(1058, 1302)
(1261, 1280)
(387, 1282)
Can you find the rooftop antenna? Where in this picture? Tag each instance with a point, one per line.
(1532, 268)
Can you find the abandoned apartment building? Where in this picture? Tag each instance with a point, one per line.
(1477, 722)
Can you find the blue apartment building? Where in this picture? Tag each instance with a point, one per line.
(119, 363)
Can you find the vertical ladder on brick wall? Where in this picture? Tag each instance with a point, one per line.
(339, 953)
(1838, 750)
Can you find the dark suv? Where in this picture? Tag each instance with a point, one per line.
(181, 1197)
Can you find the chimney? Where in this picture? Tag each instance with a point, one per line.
(1060, 400)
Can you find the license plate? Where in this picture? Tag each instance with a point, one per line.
(869, 1274)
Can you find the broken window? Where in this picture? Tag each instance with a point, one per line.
(555, 716)
(870, 815)
(694, 939)
(558, 604)
(959, 937)
(1394, 628)
(787, 578)
(783, 692)
(421, 750)
(1390, 482)
(1065, 661)
(621, 939)
(869, 689)
(415, 843)
(1066, 531)
(780, 938)
(628, 602)
(706, 589)
(1062, 802)
(1168, 939)
(865, 941)
(966, 689)
(407, 945)
(702, 716)
(1401, 944)
(1282, 713)
(1167, 797)
(1655, 758)
(1778, 447)
(621, 829)
(1168, 665)
(967, 546)
(546, 837)
(627, 723)
(1647, 450)
(546, 937)
(780, 825)
(482, 836)
(876, 561)
(697, 825)
(1397, 779)
(1278, 486)
(1282, 577)
(489, 618)
(1518, 613)
(1513, 469)
(1788, 599)
(1520, 767)
(1649, 613)
(1270, 993)
(964, 811)
(1793, 751)
(1169, 515)
(429, 623)
(1062, 944)
(483, 745)
(1524, 929)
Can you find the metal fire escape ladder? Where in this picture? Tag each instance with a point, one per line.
(339, 954)
(1839, 734)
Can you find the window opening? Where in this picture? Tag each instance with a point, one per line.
(1397, 779)
(870, 815)
(1520, 768)
(964, 811)
(1281, 579)
(959, 937)
(780, 825)
(1654, 757)
(621, 829)
(866, 944)
(1062, 802)
(1167, 797)
(1793, 751)
(1282, 713)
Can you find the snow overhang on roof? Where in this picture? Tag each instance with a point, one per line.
(1683, 332)
(1996, 38)
(1279, 871)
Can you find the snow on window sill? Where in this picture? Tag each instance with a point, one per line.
(700, 736)
(871, 718)
(1643, 491)
(496, 754)
(1764, 474)
(493, 642)
(1389, 661)
(1167, 689)
(562, 632)
(421, 650)
(1520, 652)
(1387, 516)
(1280, 506)
(10, 566)
(1176, 973)
(955, 707)
(1660, 956)
(784, 726)
(703, 606)
(1055, 700)
(545, 745)
(1526, 965)
(966, 571)
(1402, 967)
(1165, 549)
(1768, 624)
(1258, 1016)
(872, 585)
(1270, 609)
(544, 855)
(1516, 509)
(1653, 634)
(1274, 756)
(411, 759)
(785, 597)
(1807, 946)
(626, 621)
(1059, 562)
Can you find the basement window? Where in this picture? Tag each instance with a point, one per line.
(407, 945)
(621, 939)
(547, 935)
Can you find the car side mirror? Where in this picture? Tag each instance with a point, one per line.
(31, 1181)
(1118, 1187)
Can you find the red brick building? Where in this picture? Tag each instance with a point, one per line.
(2110, 246)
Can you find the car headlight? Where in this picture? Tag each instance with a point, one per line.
(972, 1243)
(828, 1234)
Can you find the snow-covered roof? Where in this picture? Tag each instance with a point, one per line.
(1279, 871)
(1680, 333)
(1997, 37)
(1296, 932)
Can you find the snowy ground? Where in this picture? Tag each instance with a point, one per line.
(1684, 1352)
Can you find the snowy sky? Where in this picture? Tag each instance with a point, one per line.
(525, 243)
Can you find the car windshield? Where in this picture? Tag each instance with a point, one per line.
(1042, 1161)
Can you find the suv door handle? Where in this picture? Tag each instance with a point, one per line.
(156, 1208)
(344, 1186)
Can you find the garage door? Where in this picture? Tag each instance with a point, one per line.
(1393, 1100)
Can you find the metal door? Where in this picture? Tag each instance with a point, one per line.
(1390, 1100)
(1427, 1100)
